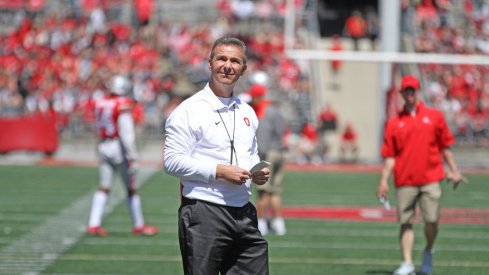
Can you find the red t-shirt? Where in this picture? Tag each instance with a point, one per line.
(349, 135)
(260, 108)
(416, 143)
(355, 26)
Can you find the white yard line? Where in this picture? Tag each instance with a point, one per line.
(34, 251)
(373, 246)
(388, 233)
(294, 245)
(283, 260)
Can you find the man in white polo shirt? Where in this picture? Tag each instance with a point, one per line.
(210, 144)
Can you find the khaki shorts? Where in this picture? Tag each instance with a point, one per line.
(274, 184)
(427, 196)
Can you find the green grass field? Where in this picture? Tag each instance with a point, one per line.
(44, 210)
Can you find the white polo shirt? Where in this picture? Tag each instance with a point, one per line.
(198, 137)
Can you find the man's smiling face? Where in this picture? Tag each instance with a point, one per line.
(228, 64)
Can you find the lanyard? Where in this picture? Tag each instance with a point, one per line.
(231, 140)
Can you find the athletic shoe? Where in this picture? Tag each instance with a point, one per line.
(97, 231)
(427, 266)
(405, 269)
(145, 230)
(278, 226)
(263, 226)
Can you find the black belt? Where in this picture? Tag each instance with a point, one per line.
(187, 201)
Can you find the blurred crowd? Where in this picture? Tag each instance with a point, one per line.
(461, 91)
(60, 64)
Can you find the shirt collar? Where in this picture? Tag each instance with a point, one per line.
(419, 107)
(216, 103)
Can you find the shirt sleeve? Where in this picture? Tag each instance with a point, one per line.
(125, 125)
(388, 149)
(180, 140)
(444, 136)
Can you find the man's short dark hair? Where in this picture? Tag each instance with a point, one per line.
(228, 40)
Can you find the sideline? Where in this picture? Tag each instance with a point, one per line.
(379, 214)
(361, 168)
(34, 251)
(274, 260)
(154, 160)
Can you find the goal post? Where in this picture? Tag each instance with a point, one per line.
(389, 57)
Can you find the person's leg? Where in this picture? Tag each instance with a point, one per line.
(99, 201)
(249, 252)
(430, 211)
(139, 227)
(128, 175)
(430, 233)
(276, 205)
(206, 236)
(278, 222)
(354, 152)
(134, 205)
(406, 237)
(106, 174)
(262, 205)
(406, 205)
(275, 190)
(356, 43)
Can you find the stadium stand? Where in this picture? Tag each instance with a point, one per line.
(455, 27)
(59, 55)
(60, 60)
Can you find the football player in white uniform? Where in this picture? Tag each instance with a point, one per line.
(117, 153)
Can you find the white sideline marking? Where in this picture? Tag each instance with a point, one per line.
(285, 244)
(375, 246)
(285, 260)
(34, 251)
(388, 233)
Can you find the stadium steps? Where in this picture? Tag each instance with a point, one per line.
(356, 100)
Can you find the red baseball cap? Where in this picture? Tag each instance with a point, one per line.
(409, 81)
(257, 90)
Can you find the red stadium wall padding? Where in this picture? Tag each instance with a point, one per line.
(31, 133)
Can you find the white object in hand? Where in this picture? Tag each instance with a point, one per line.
(260, 165)
(385, 202)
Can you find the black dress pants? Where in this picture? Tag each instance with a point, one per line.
(221, 239)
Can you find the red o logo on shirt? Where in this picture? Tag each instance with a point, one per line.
(247, 121)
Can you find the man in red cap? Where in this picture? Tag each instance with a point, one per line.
(416, 142)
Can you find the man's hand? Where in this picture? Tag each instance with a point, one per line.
(261, 177)
(382, 190)
(456, 178)
(383, 187)
(233, 174)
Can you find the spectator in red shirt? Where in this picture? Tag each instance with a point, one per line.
(144, 10)
(356, 28)
(308, 144)
(415, 142)
(349, 146)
